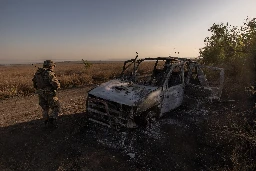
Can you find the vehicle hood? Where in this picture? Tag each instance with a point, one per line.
(122, 92)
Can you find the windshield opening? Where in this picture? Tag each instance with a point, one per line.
(146, 72)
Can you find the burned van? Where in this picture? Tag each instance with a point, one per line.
(149, 88)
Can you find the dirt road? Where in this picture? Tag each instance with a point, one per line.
(173, 143)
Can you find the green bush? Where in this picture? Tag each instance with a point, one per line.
(233, 48)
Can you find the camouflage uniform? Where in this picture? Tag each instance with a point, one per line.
(46, 85)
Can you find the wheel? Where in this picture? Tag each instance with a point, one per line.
(150, 118)
(146, 118)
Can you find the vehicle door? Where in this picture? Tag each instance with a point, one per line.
(204, 82)
(173, 89)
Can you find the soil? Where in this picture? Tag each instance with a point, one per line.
(174, 142)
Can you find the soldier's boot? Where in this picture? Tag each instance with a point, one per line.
(46, 116)
(54, 117)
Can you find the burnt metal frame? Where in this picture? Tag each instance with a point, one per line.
(174, 61)
(138, 62)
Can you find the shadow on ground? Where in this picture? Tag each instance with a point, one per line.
(31, 146)
(170, 144)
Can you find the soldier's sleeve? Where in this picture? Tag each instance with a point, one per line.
(54, 81)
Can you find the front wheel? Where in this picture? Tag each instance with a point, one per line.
(147, 118)
(151, 118)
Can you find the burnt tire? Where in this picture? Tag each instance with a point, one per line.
(151, 118)
(147, 118)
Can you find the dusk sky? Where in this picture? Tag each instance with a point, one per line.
(35, 30)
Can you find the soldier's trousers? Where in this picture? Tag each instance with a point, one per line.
(49, 100)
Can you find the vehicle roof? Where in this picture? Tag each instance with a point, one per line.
(171, 59)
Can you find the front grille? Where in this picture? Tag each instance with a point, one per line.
(107, 112)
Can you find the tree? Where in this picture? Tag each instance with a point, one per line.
(232, 47)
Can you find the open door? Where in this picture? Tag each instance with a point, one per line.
(204, 82)
(173, 89)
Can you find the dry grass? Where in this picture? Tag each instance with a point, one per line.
(16, 80)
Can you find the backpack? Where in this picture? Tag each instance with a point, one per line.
(38, 80)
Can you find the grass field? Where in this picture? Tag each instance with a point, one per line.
(16, 80)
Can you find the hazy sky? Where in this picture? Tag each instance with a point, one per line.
(34, 30)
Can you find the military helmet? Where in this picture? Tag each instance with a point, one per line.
(48, 63)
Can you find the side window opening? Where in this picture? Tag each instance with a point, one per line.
(197, 76)
(176, 77)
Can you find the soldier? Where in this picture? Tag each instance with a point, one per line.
(46, 85)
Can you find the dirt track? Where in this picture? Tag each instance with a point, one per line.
(173, 143)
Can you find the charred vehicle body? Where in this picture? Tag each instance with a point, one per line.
(149, 88)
